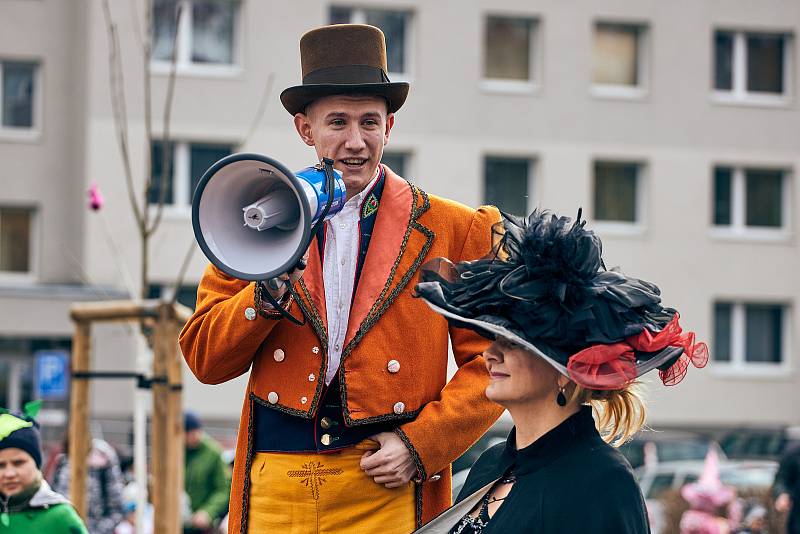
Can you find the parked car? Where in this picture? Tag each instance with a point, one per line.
(650, 447)
(763, 442)
(654, 480)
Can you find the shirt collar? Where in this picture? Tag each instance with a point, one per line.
(357, 200)
(551, 445)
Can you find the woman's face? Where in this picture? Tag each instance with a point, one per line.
(17, 471)
(517, 376)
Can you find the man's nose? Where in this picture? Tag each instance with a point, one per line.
(354, 141)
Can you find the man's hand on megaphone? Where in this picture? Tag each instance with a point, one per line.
(278, 286)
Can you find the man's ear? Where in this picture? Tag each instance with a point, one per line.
(389, 125)
(303, 126)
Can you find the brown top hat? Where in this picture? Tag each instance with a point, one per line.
(343, 59)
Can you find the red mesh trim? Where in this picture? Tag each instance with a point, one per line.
(604, 367)
(647, 342)
(696, 353)
(675, 373)
(613, 366)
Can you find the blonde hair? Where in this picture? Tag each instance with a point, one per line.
(619, 414)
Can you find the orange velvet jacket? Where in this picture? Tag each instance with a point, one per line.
(437, 420)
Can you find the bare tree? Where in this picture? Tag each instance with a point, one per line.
(146, 214)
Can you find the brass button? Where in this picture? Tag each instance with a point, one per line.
(325, 439)
(326, 423)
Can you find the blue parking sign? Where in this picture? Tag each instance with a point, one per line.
(51, 374)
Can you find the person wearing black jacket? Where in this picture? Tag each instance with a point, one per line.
(786, 488)
(570, 338)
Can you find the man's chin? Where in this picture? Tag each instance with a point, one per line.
(357, 179)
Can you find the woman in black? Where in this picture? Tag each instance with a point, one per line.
(569, 337)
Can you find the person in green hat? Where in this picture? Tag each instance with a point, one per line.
(27, 504)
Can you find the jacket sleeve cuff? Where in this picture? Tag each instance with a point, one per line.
(421, 474)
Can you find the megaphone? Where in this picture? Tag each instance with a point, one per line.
(254, 219)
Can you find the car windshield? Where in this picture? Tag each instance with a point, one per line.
(746, 476)
(669, 451)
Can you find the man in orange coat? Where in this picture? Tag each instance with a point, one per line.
(349, 423)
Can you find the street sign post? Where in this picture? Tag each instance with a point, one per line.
(51, 374)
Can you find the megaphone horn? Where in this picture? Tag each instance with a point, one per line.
(254, 219)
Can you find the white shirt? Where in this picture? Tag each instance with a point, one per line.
(339, 271)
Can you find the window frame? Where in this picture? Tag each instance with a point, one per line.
(181, 175)
(358, 15)
(738, 229)
(31, 274)
(532, 182)
(637, 227)
(408, 159)
(183, 61)
(535, 59)
(739, 95)
(625, 92)
(20, 133)
(737, 365)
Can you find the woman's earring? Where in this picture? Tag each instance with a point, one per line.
(561, 399)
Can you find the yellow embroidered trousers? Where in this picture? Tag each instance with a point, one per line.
(299, 493)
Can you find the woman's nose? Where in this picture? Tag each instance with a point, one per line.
(493, 353)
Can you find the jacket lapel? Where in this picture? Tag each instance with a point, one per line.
(392, 259)
(312, 291)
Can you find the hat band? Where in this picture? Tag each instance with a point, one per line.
(346, 74)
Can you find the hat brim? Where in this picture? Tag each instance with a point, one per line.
(491, 330)
(295, 99)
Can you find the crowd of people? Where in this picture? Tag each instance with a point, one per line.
(29, 503)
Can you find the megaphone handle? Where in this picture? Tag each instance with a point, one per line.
(277, 309)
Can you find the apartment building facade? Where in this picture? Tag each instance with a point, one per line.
(674, 126)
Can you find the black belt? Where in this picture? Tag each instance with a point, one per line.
(280, 432)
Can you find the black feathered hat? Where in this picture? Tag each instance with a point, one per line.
(546, 288)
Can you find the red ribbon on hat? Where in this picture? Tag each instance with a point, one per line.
(613, 366)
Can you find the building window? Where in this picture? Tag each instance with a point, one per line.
(509, 49)
(16, 234)
(206, 31)
(749, 198)
(507, 182)
(750, 334)
(18, 94)
(617, 191)
(618, 59)
(397, 161)
(750, 65)
(188, 162)
(395, 25)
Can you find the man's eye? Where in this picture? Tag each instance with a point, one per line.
(337, 122)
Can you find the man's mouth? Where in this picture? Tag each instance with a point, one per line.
(353, 163)
(495, 375)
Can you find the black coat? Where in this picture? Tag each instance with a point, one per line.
(787, 480)
(568, 481)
